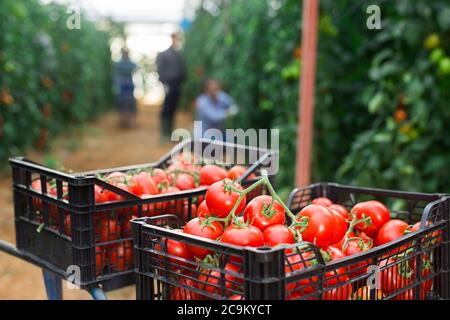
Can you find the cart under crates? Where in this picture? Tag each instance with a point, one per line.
(71, 236)
(298, 271)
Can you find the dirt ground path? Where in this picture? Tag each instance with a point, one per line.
(100, 145)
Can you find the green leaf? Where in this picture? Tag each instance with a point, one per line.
(376, 102)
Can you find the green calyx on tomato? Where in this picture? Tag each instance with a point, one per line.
(264, 211)
(362, 244)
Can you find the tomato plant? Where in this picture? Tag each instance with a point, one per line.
(43, 52)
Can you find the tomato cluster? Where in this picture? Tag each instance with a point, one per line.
(340, 233)
(181, 174)
(227, 217)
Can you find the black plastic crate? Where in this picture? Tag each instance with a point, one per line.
(299, 271)
(67, 228)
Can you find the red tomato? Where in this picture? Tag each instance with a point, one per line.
(99, 260)
(334, 277)
(343, 292)
(395, 277)
(376, 211)
(426, 285)
(53, 191)
(210, 282)
(121, 256)
(188, 212)
(143, 183)
(37, 186)
(258, 214)
(193, 209)
(278, 234)
(323, 201)
(211, 173)
(321, 225)
(185, 181)
(67, 225)
(180, 293)
(149, 209)
(108, 229)
(159, 176)
(367, 241)
(113, 196)
(341, 210)
(126, 225)
(413, 228)
(237, 297)
(177, 249)
(247, 236)
(221, 201)
(299, 261)
(116, 177)
(184, 160)
(100, 194)
(233, 275)
(203, 210)
(238, 171)
(201, 198)
(391, 230)
(172, 206)
(355, 246)
(333, 253)
(199, 227)
(340, 226)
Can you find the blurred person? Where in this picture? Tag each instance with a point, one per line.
(213, 107)
(123, 78)
(172, 71)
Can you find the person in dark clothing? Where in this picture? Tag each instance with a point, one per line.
(123, 80)
(213, 107)
(172, 71)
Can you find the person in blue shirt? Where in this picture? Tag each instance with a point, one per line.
(123, 81)
(213, 107)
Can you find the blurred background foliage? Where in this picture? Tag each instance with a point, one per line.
(382, 113)
(51, 78)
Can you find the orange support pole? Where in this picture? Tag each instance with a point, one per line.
(307, 89)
